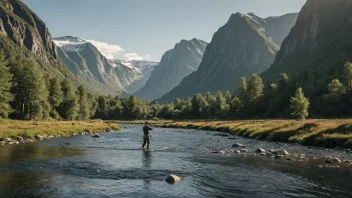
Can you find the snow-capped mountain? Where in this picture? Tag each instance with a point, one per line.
(87, 62)
(133, 73)
(70, 43)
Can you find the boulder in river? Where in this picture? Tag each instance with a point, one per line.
(336, 160)
(281, 152)
(2, 143)
(8, 140)
(172, 179)
(244, 150)
(20, 139)
(96, 136)
(39, 137)
(260, 150)
(237, 145)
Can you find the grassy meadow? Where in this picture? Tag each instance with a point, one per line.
(29, 129)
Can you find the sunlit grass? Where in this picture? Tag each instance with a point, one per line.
(328, 133)
(29, 129)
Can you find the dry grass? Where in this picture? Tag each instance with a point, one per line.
(327, 133)
(28, 129)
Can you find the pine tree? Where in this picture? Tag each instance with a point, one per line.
(235, 105)
(299, 105)
(55, 96)
(83, 112)
(93, 104)
(347, 73)
(255, 88)
(221, 106)
(228, 97)
(336, 87)
(5, 86)
(31, 95)
(243, 90)
(69, 107)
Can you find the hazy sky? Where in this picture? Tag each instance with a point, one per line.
(145, 29)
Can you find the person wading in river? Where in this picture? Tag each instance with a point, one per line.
(146, 137)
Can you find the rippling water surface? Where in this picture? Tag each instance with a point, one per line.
(115, 166)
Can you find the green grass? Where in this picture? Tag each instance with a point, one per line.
(325, 133)
(29, 129)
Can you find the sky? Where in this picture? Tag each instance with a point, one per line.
(146, 29)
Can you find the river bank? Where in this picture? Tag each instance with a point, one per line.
(16, 132)
(316, 132)
(324, 133)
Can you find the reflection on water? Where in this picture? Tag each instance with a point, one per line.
(33, 151)
(114, 166)
(147, 162)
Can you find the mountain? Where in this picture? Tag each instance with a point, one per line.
(23, 31)
(318, 45)
(243, 46)
(89, 65)
(175, 64)
(275, 28)
(134, 74)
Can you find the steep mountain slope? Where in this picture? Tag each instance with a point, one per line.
(133, 74)
(24, 31)
(237, 49)
(275, 28)
(318, 45)
(89, 65)
(175, 64)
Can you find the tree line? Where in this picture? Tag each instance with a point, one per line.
(252, 100)
(26, 92)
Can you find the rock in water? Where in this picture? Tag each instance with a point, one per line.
(172, 179)
(237, 145)
(96, 136)
(260, 150)
(281, 152)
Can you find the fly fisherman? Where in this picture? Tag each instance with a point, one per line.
(146, 137)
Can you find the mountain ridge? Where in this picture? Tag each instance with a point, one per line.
(175, 64)
(238, 49)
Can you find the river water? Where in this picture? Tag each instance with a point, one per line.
(115, 166)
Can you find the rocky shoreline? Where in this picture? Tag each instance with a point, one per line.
(282, 154)
(21, 140)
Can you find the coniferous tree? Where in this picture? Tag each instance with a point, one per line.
(221, 106)
(31, 95)
(347, 73)
(243, 90)
(93, 104)
(5, 86)
(69, 107)
(83, 112)
(55, 96)
(299, 105)
(254, 88)
(228, 97)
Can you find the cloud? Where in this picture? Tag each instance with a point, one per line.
(109, 51)
(132, 56)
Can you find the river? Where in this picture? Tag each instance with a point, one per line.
(115, 166)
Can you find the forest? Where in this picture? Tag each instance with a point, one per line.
(27, 93)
